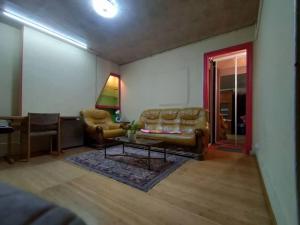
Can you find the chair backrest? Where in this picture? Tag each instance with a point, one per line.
(43, 121)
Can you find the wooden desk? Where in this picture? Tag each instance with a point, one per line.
(16, 122)
(71, 131)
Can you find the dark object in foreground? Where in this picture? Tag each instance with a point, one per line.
(19, 208)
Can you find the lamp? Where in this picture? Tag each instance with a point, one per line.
(105, 8)
(43, 28)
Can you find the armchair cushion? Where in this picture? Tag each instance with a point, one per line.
(112, 126)
(113, 133)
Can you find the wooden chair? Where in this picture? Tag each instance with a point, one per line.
(43, 124)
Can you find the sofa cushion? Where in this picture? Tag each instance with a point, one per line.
(95, 114)
(169, 120)
(150, 119)
(189, 113)
(99, 114)
(181, 139)
(151, 114)
(191, 119)
(169, 114)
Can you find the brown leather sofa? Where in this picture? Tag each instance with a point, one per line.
(99, 125)
(185, 127)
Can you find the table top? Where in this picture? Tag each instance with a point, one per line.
(138, 141)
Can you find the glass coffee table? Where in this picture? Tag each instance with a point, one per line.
(139, 143)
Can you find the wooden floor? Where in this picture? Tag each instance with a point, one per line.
(223, 190)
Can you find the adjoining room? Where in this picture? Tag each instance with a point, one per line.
(149, 112)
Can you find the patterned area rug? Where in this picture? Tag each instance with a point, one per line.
(129, 170)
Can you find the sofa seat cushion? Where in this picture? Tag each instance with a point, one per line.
(44, 133)
(113, 133)
(180, 139)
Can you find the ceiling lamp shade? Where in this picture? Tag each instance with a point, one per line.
(105, 8)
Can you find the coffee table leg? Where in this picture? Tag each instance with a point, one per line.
(149, 156)
(123, 149)
(165, 155)
(105, 151)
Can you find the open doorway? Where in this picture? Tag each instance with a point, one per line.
(228, 97)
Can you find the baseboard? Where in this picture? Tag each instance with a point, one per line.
(265, 193)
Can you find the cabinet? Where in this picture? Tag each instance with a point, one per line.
(71, 132)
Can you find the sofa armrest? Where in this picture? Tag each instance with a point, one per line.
(96, 132)
(199, 132)
(90, 127)
(93, 128)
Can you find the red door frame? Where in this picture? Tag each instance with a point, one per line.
(249, 48)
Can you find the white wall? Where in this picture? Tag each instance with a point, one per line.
(10, 71)
(10, 68)
(274, 107)
(144, 82)
(57, 76)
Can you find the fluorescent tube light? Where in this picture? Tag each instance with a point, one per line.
(105, 8)
(43, 28)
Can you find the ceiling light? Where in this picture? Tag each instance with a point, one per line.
(43, 28)
(105, 8)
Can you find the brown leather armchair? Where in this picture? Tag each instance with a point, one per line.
(186, 127)
(99, 125)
